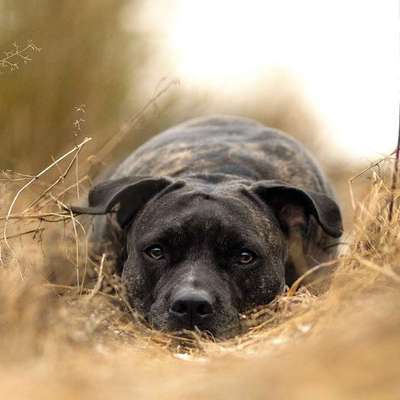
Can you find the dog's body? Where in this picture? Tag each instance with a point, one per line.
(217, 214)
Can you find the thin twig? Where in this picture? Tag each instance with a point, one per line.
(74, 288)
(358, 175)
(369, 264)
(100, 278)
(75, 222)
(31, 181)
(8, 178)
(77, 176)
(57, 196)
(34, 216)
(12, 57)
(116, 138)
(395, 175)
(298, 282)
(58, 180)
(34, 231)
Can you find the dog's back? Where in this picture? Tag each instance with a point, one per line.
(226, 145)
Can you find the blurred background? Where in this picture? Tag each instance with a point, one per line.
(325, 72)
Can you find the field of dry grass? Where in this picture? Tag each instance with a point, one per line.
(67, 333)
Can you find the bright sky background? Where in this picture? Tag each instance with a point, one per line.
(345, 54)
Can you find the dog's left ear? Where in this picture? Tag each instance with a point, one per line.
(293, 206)
(130, 193)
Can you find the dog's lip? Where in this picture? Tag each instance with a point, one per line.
(211, 329)
(172, 326)
(192, 327)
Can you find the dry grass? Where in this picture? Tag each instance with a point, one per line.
(11, 59)
(66, 331)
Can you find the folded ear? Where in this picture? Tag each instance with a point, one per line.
(130, 193)
(293, 206)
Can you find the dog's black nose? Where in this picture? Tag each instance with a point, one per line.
(192, 307)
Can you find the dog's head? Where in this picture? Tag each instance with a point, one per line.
(201, 251)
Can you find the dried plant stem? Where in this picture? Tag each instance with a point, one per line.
(76, 249)
(57, 196)
(77, 176)
(17, 235)
(12, 57)
(355, 177)
(116, 139)
(84, 290)
(31, 181)
(377, 268)
(20, 177)
(60, 178)
(298, 282)
(395, 175)
(75, 222)
(34, 216)
(100, 278)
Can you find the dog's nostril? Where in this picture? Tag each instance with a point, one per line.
(204, 308)
(179, 307)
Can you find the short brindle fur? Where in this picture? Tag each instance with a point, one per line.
(215, 216)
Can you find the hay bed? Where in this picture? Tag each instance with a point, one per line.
(67, 332)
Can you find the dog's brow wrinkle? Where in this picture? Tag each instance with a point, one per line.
(166, 234)
(199, 195)
(252, 197)
(171, 188)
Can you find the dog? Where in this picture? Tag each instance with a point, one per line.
(216, 215)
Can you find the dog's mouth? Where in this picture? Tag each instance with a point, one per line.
(222, 326)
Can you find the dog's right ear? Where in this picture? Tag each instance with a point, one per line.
(130, 193)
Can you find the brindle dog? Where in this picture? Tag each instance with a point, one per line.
(217, 215)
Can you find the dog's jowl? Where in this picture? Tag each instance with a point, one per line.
(215, 216)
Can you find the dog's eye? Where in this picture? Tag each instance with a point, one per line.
(246, 257)
(155, 252)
